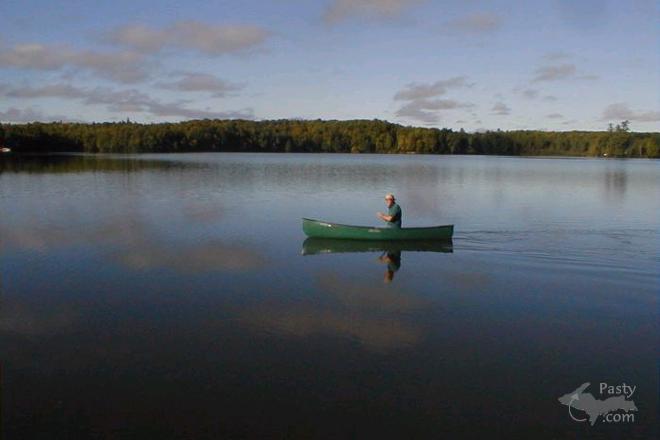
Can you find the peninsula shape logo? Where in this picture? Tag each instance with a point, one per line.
(615, 409)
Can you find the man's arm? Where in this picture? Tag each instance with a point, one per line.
(387, 218)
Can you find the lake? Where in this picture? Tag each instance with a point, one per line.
(174, 296)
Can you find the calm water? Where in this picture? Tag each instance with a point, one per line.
(167, 296)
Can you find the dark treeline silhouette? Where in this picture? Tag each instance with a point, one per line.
(358, 136)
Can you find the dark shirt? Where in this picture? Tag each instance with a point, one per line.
(395, 212)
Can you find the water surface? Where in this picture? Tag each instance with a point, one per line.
(167, 296)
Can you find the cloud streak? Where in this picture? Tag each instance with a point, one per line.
(530, 93)
(422, 91)
(557, 56)
(202, 82)
(209, 39)
(424, 109)
(622, 111)
(477, 23)
(421, 102)
(14, 114)
(123, 66)
(558, 72)
(501, 109)
(340, 10)
(555, 72)
(120, 101)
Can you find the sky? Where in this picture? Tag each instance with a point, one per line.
(459, 64)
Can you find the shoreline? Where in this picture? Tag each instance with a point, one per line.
(293, 136)
(15, 154)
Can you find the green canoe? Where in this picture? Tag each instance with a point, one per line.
(315, 246)
(321, 229)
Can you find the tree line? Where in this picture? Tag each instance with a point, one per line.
(356, 136)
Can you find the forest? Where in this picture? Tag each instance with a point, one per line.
(319, 136)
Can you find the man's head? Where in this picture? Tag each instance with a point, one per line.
(389, 199)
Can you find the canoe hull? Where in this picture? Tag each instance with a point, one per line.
(321, 229)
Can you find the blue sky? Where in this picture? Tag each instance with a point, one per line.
(476, 65)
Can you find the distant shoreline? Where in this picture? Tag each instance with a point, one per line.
(283, 153)
(318, 136)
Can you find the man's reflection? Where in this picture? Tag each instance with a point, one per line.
(393, 261)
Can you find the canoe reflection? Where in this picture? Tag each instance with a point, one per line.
(313, 246)
(390, 250)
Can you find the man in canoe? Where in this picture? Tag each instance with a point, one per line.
(393, 217)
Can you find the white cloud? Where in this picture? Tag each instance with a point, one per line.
(555, 116)
(132, 65)
(340, 10)
(193, 35)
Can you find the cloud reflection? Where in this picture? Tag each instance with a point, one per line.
(202, 213)
(39, 236)
(379, 334)
(132, 243)
(208, 256)
(373, 315)
(367, 297)
(27, 320)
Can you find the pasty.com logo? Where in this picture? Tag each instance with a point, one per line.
(614, 409)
